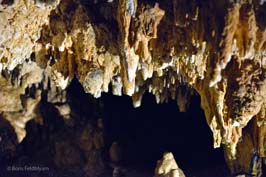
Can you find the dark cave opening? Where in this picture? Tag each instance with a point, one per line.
(146, 132)
(143, 135)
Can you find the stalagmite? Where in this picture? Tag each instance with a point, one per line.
(167, 166)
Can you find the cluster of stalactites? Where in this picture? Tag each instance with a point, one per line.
(129, 67)
(21, 24)
(216, 48)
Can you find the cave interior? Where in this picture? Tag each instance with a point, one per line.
(143, 134)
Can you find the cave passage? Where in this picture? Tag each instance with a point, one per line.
(145, 133)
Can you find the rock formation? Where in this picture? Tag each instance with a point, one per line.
(168, 48)
(167, 167)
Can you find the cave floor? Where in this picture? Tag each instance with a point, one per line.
(132, 171)
(217, 171)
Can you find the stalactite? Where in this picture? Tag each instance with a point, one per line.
(216, 48)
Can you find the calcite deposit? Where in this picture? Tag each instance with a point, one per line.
(167, 167)
(172, 49)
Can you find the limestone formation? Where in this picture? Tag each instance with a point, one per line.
(167, 167)
(115, 153)
(171, 49)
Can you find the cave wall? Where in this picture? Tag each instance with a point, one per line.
(215, 47)
(64, 136)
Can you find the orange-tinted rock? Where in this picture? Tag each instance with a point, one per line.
(216, 48)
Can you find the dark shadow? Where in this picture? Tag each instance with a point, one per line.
(8, 142)
(7, 2)
(146, 132)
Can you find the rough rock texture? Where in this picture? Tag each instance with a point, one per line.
(217, 48)
(62, 135)
(167, 167)
(21, 24)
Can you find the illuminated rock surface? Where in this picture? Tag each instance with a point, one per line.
(167, 166)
